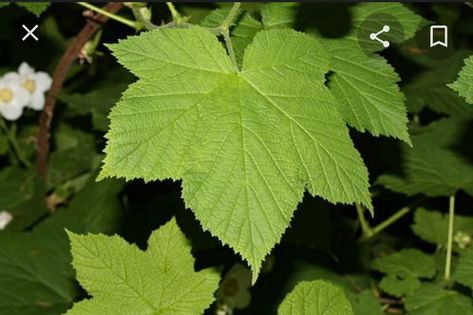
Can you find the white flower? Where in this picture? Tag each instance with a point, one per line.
(13, 98)
(35, 83)
(5, 218)
(234, 289)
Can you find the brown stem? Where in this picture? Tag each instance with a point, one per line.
(71, 54)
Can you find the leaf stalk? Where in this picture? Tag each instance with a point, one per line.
(133, 24)
(451, 218)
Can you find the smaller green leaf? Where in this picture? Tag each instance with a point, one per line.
(464, 84)
(37, 8)
(431, 299)
(22, 195)
(432, 226)
(278, 14)
(429, 88)
(398, 286)
(160, 280)
(464, 271)
(97, 102)
(434, 166)
(75, 155)
(365, 303)
(36, 277)
(315, 298)
(406, 263)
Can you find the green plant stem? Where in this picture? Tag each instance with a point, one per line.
(369, 232)
(451, 218)
(141, 19)
(365, 227)
(175, 14)
(11, 136)
(224, 30)
(396, 216)
(470, 4)
(133, 24)
(228, 43)
(231, 15)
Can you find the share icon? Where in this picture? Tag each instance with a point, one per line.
(374, 36)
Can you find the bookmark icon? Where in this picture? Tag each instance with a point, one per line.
(436, 32)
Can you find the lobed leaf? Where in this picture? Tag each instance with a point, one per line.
(431, 299)
(463, 85)
(315, 298)
(246, 143)
(160, 280)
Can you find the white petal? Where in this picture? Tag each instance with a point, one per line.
(10, 111)
(37, 101)
(20, 95)
(25, 70)
(43, 81)
(11, 77)
(5, 218)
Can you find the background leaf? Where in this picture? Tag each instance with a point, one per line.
(315, 298)
(161, 280)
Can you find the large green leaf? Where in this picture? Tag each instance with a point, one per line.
(122, 279)
(464, 84)
(35, 272)
(315, 298)
(433, 166)
(246, 143)
(434, 300)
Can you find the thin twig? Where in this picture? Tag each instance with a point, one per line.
(90, 28)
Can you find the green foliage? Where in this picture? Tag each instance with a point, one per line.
(434, 300)
(240, 128)
(403, 270)
(37, 8)
(399, 287)
(464, 271)
(160, 280)
(429, 88)
(35, 272)
(22, 196)
(316, 298)
(432, 226)
(224, 122)
(365, 84)
(278, 14)
(406, 263)
(464, 83)
(427, 166)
